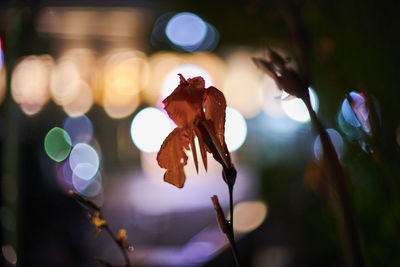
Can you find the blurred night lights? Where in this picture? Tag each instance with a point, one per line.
(235, 129)
(249, 215)
(57, 144)
(1, 53)
(149, 128)
(188, 71)
(186, 30)
(356, 113)
(80, 129)
(242, 87)
(296, 109)
(337, 142)
(84, 161)
(9, 254)
(29, 83)
(88, 188)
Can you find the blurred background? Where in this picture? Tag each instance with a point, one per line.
(81, 85)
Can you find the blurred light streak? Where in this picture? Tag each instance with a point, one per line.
(235, 129)
(242, 87)
(186, 30)
(296, 109)
(125, 76)
(84, 161)
(337, 142)
(80, 129)
(249, 215)
(29, 82)
(108, 23)
(57, 144)
(9, 254)
(188, 71)
(149, 128)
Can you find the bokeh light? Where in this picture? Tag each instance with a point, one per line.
(296, 109)
(337, 142)
(29, 82)
(249, 215)
(235, 129)
(242, 87)
(9, 254)
(125, 75)
(84, 161)
(82, 103)
(65, 77)
(186, 30)
(57, 144)
(354, 113)
(88, 188)
(188, 71)
(149, 128)
(80, 129)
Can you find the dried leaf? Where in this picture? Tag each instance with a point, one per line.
(173, 157)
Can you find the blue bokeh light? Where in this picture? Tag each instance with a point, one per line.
(186, 30)
(80, 129)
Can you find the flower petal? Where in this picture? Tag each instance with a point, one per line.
(172, 156)
(214, 104)
(184, 105)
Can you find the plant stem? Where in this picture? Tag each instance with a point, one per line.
(231, 235)
(338, 177)
(128, 264)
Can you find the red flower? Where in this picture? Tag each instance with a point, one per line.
(200, 112)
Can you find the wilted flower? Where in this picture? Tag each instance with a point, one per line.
(285, 78)
(200, 112)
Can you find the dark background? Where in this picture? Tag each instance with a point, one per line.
(340, 45)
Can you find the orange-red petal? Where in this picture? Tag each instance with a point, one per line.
(173, 157)
(184, 105)
(214, 104)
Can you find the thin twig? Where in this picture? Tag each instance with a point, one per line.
(123, 250)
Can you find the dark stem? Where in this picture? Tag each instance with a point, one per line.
(128, 264)
(230, 234)
(338, 177)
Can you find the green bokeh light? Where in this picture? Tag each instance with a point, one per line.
(57, 144)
